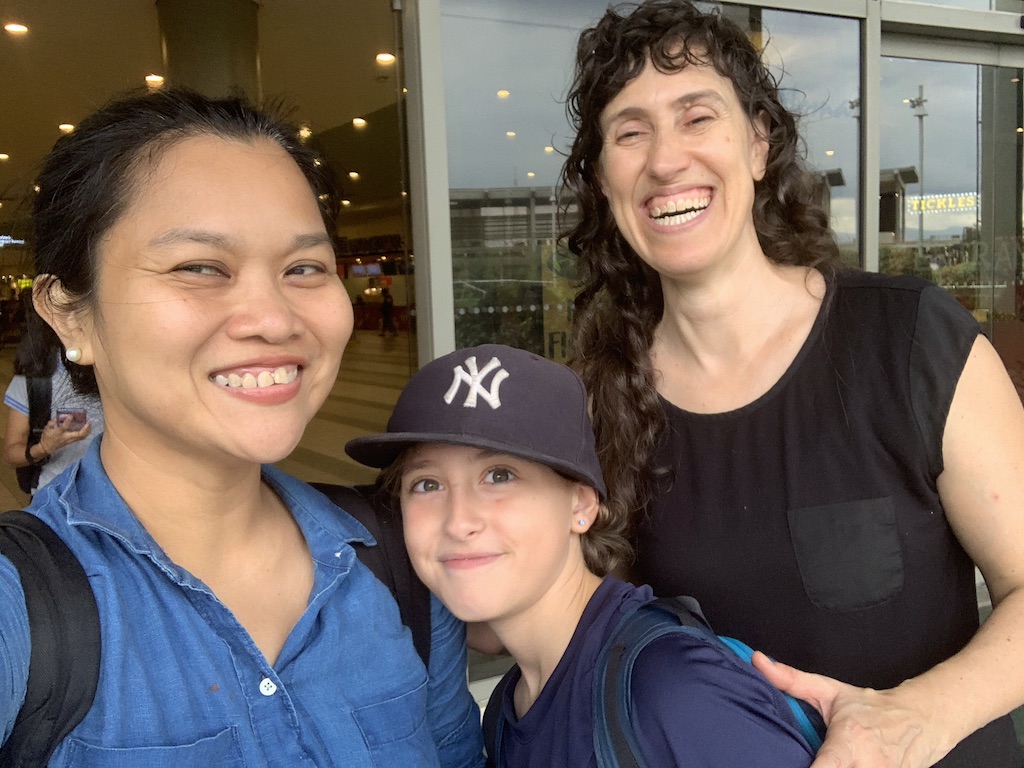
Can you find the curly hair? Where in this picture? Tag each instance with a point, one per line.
(90, 176)
(619, 301)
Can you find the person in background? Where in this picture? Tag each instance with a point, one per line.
(387, 313)
(64, 439)
(184, 259)
(819, 455)
(490, 454)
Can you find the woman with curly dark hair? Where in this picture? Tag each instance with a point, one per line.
(819, 455)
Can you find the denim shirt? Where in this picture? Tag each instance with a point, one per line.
(183, 684)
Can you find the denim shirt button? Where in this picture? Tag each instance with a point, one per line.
(267, 687)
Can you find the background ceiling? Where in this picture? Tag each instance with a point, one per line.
(317, 56)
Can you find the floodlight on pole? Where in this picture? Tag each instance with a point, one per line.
(920, 113)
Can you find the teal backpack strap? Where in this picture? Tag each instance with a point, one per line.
(615, 742)
(64, 627)
(808, 719)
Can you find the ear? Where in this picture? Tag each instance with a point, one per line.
(759, 145)
(585, 508)
(73, 327)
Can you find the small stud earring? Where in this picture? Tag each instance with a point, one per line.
(583, 521)
(74, 354)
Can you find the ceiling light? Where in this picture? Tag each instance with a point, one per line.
(154, 81)
(510, 134)
(503, 94)
(66, 127)
(829, 152)
(549, 150)
(385, 58)
(4, 156)
(359, 122)
(530, 174)
(354, 175)
(346, 202)
(16, 29)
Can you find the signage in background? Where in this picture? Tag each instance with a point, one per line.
(954, 202)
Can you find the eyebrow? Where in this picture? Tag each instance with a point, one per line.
(218, 240)
(416, 464)
(684, 101)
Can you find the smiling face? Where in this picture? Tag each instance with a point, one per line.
(491, 535)
(219, 318)
(678, 166)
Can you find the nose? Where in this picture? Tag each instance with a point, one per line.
(668, 154)
(264, 309)
(462, 519)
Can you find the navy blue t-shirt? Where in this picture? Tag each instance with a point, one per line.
(693, 704)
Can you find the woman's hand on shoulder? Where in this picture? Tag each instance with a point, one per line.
(866, 728)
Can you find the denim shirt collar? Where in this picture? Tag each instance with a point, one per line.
(327, 536)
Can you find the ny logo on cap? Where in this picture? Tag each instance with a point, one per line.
(474, 379)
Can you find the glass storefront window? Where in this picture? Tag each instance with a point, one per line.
(963, 230)
(507, 66)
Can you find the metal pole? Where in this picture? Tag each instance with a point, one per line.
(920, 143)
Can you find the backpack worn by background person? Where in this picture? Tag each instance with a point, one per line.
(64, 622)
(615, 742)
(40, 396)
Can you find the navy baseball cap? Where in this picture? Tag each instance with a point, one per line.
(498, 398)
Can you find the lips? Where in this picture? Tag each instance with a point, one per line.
(462, 562)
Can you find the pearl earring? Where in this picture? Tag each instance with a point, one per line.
(74, 354)
(583, 521)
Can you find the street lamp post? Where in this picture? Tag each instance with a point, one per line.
(920, 113)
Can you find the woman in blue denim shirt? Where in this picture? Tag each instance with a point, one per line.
(184, 259)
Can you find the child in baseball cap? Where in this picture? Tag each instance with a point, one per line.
(490, 453)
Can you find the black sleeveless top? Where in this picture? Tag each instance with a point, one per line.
(808, 523)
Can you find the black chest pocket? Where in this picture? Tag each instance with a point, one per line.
(849, 554)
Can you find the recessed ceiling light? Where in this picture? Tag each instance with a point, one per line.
(385, 58)
(549, 150)
(347, 203)
(4, 156)
(154, 81)
(503, 94)
(359, 122)
(66, 127)
(829, 152)
(510, 134)
(530, 174)
(354, 175)
(15, 28)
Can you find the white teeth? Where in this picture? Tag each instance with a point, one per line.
(282, 375)
(686, 208)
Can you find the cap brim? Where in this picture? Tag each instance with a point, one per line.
(381, 450)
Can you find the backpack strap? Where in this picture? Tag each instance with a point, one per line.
(40, 395)
(493, 723)
(64, 628)
(40, 398)
(615, 740)
(389, 560)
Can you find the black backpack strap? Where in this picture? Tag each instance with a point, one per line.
(389, 560)
(64, 626)
(40, 395)
(493, 722)
(40, 398)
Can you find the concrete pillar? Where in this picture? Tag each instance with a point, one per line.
(211, 46)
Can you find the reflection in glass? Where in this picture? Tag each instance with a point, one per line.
(507, 66)
(964, 232)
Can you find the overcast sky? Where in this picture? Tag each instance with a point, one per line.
(527, 48)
